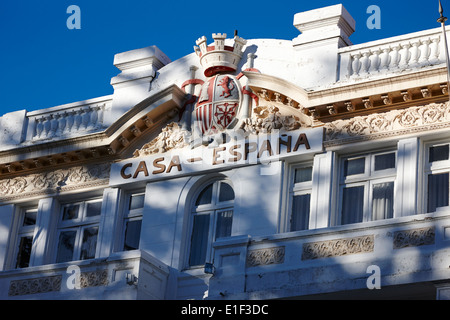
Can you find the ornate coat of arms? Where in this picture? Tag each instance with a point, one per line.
(218, 103)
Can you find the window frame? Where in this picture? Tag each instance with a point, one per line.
(130, 215)
(368, 179)
(22, 232)
(298, 189)
(213, 209)
(434, 168)
(78, 225)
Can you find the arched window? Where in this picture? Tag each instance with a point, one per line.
(212, 217)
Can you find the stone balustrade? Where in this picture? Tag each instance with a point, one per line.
(415, 51)
(63, 122)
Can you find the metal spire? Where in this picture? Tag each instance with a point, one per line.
(442, 20)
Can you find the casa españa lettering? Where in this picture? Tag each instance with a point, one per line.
(263, 149)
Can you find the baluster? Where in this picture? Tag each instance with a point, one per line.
(86, 118)
(356, 64)
(374, 61)
(61, 123)
(39, 127)
(101, 112)
(434, 52)
(53, 125)
(385, 59)
(425, 53)
(78, 119)
(415, 54)
(394, 57)
(94, 117)
(47, 126)
(404, 55)
(365, 63)
(70, 120)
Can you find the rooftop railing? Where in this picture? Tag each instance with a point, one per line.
(412, 51)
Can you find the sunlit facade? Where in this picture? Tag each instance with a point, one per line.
(308, 168)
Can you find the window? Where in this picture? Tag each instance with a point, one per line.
(437, 176)
(367, 187)
(25, 237)
(78, 230)
(300, 198)
(212, 217)
(133, 221)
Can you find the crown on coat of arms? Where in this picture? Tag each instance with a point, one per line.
(218, 57)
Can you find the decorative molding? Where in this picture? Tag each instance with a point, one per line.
(94, 278)
(262, 257)
(53, 283)
(266, 119)
(54, 181)
(338, 247)
(414, 238)
(395, 122)
(171, 137)
(36, 285)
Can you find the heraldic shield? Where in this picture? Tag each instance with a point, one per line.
(218, 103)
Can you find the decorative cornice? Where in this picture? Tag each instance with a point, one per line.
(382, 125)
(57, 181)
(377, 103)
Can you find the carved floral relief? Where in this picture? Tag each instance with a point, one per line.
(54, 181)
(419, 117)
(267, 256)
(338, 247)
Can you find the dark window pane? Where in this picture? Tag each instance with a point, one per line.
(66, 246)
(226, 192)
(354, 166)
(199, 240)
(132, 234)
(383, 201)
(300, 212)
(89, 243)
(303, 175)
(352, 205)
(437, 191)
(23, 256)
(224, 222)
(136, 201)
(205, 196)
(71, 212)
(439, 153)
(30, 218)
(94, 209)
(385, 161)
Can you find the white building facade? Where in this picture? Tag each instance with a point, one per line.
(309, 168)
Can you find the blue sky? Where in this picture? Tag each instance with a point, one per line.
(44, 64)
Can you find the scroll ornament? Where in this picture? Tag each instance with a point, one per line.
(54, 180)
(389, 122)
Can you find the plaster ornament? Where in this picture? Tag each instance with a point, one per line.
(171, 137)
